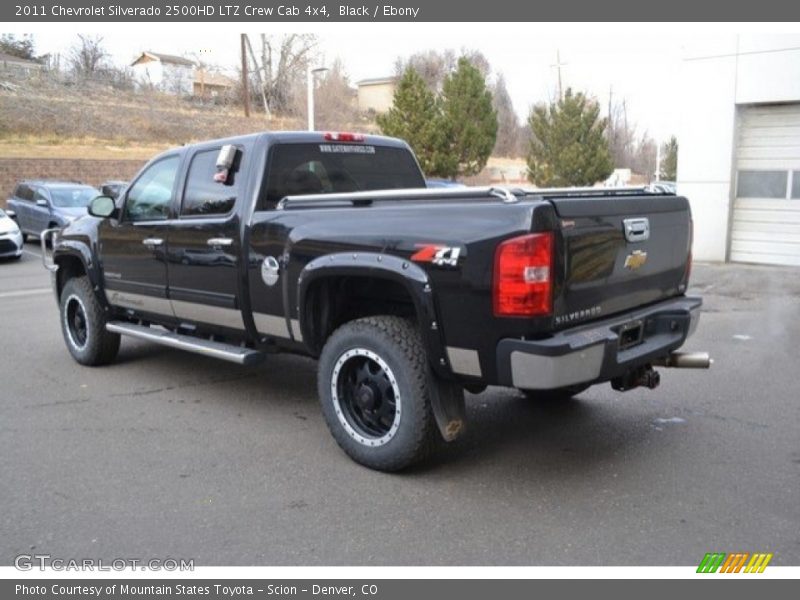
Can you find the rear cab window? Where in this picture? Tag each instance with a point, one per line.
(335, 167)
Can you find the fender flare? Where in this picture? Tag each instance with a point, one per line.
(74, 249)
(382, 266)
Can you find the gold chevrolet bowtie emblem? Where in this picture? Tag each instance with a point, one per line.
(635, 260)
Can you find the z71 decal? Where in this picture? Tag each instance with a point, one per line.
(441, 256)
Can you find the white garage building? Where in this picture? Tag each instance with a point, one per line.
(739, 154)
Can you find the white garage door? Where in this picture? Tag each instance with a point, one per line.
(766, 213)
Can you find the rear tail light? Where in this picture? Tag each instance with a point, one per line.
(523, 276)
(341, 136)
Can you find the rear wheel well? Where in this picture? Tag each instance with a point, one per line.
(69, 267)
(332, 301)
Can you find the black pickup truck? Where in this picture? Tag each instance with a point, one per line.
(327, 244)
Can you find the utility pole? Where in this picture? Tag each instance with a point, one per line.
(259, 80)
(310, 73)
(558, 64)
(245, 86)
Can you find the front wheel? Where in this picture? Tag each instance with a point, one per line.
(83, 325)
(373, 387)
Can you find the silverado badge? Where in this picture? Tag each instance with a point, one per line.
(635, 259)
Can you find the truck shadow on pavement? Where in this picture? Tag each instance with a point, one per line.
(535, 438)
(540, 438)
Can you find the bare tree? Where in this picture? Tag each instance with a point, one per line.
(621, 135)
(433, 66)
(644, 158)
(282, 70)
(336, 103)
(87, 56)
(629, 149)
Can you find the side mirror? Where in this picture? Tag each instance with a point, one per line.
(103, 207)
(41, 202)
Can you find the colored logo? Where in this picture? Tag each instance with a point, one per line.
(441, 256)
(737, 562)
(635, 260)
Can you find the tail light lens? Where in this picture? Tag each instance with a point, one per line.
(523, 276)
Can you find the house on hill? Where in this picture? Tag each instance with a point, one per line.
(376, 94)
(165, 72)
(212, 85)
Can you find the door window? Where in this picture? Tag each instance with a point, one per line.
(149, 197)
(24, 192)
(205, 196)
(38, 194)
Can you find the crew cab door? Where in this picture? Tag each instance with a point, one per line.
(204, 246)
(133, 248)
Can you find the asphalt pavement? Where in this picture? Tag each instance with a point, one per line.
(167, 454)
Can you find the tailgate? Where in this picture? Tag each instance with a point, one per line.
(619, 252)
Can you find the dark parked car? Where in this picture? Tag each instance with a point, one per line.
(40, 205)
(317, 244)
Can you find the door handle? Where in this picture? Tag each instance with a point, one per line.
(214, 242)
(152, 242)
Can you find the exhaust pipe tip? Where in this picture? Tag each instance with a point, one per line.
(686, 360)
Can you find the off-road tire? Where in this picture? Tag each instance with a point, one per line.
(96, 346)
(397, 343)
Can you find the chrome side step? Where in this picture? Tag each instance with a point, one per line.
(229, 352)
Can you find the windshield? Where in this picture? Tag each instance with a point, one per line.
(2, 213)
(72, 197)
(326, 168)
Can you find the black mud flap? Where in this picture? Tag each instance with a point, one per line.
(449, 410)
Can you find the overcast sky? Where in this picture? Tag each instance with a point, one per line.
(640, 63)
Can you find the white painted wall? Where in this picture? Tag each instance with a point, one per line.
(167, 77)
(149, 73)
(717, 75)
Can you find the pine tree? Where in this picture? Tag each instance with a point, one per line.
(469, 122)
(669, 160)
(508, 129)
(415, 118)
(567, 145)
